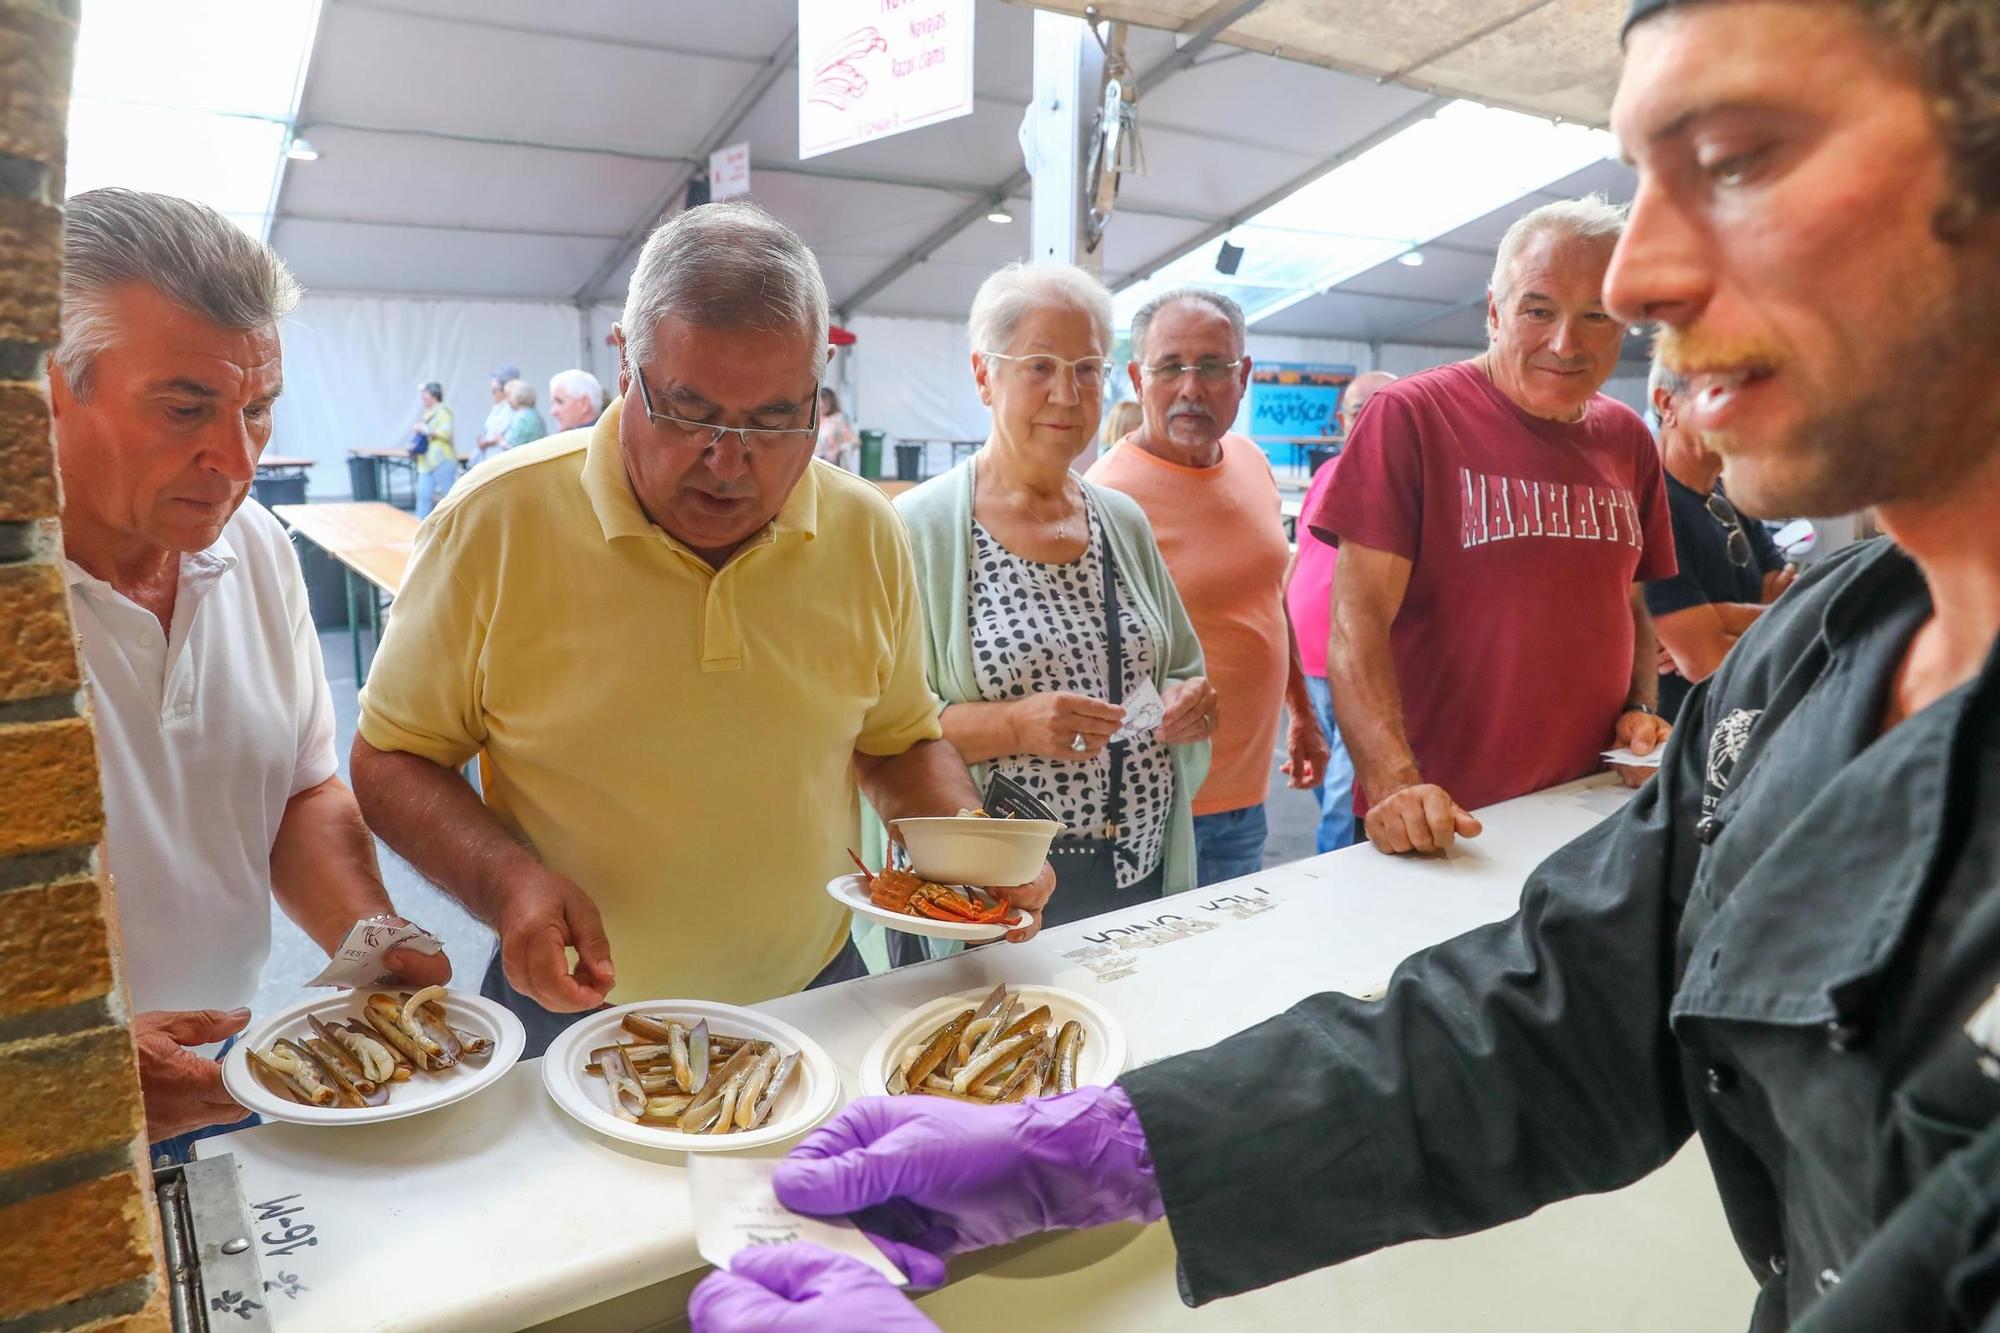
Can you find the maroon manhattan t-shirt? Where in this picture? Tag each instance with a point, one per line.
(1513, 646)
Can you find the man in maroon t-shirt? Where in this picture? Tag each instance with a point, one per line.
(1495, 518)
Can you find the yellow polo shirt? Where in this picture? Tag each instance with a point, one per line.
(678, 740)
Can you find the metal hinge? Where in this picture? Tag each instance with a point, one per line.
(213, 1279)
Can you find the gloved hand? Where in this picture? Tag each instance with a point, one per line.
(931, 1178)
(801, 1287)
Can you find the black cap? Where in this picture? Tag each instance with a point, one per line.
(1642, 9)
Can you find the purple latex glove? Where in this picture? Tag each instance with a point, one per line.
(800, 1287)
(930, 1178)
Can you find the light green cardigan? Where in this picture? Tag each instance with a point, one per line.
(938, 515)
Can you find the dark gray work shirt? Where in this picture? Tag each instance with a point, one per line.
(1778, 944)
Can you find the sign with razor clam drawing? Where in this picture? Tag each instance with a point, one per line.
(872, 68)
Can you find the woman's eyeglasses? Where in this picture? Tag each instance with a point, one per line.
(754, 439)
(1042, 371)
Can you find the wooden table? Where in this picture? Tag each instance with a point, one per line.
(384, 459)
(371, 541)
(892, 488)
(275, 464)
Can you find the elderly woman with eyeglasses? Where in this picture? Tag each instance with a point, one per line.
(1057, 641)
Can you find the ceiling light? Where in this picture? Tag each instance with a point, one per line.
(1411, 259)
(302, 151)
(1000, 215)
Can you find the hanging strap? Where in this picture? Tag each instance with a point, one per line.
(1114, 809)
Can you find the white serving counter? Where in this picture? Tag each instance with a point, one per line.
(501, 1212)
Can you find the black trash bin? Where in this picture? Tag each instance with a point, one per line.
(288, 489)
(361, 479)
(326, 585)
(1318, 456)
(909, 462)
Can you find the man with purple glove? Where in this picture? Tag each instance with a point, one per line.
(1789, 940)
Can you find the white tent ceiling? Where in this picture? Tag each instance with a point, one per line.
(520, 149)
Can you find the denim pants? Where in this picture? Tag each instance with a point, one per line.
(1229, 844)
(432, 485)
(1336, 794)
(545, 1025)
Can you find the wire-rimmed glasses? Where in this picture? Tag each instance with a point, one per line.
(754, 439)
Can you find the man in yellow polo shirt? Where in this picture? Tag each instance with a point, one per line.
(679, 643)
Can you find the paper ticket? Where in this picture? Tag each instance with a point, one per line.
(1144, 711)
(736, 1208)
(1630, 760)
(358, 960)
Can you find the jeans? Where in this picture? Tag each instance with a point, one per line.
(1229, 844)
(179, 1150)
(432, 485)
(1336, 794)
(545, 1025)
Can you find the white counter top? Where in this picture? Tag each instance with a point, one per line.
(500, 1211)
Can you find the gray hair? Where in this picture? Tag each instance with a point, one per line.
(1591, 218)
(520, 393)
(187, 252)
(579, 384)
(1007, 295)
(1660, 377)
(1216, 301)
(728, 266)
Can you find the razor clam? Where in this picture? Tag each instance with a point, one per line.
(628, 1099)
(698, 1056)
(996, 1034)
(296, 1071)
(677, 1054)
(384, 1015)
(366, 1058)
(340, 1070)
(776, 1084)
(471, 1043)
(1069, 1044)
(753, 1087)
(975, 1070)
(422, 1016)
(370, 1049)
(714, 1089)
(1039, 1014)
(983, 1019)
(937, 1048)
(652, 1029)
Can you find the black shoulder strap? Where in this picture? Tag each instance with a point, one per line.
(1114, 809)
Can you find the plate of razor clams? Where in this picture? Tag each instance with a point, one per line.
(690, 1075)
(369, 1055)
(1009, 1044)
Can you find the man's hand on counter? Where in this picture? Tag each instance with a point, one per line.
(1642, 733)
(183, 1090)
(1421, 817)
(541, 915)
(783, 1288)
(929, 1178)
(1031, 898)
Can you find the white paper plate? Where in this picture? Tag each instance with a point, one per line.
(851, 892)
(1101, 1060)
(424, 1092)
(810, 1097)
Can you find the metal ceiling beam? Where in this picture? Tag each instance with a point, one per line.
(1200, 36)
(1339, 290)
(726, 126)
(491, 140)
(471, 228)
(1422, 111)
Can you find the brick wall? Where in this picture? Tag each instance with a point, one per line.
(78, 1236)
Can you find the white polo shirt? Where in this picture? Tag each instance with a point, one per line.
(203, 735)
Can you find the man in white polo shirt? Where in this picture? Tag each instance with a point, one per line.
(214, 725)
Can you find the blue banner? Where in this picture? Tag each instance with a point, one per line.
(1290, 402)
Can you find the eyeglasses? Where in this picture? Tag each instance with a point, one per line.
(1207, 370)
(1725, 513)
(754, 439)
(1042, 371)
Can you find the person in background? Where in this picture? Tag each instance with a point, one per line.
(527, 425)
(1122, 418)
(754, 637)
(430, 447)
(498, 416)
(576, 399)
(839, 443)
(213, 720)
(1048, 609)
(1309, 599)
(1213, 504)
(1496, 518)
(1788, 942)
(1729, 569)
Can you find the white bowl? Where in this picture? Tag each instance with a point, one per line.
(1101, 1060)
(467, 1011)
(966, 849)
(810, 1097)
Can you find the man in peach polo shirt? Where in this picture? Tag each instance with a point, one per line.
(1214, 508)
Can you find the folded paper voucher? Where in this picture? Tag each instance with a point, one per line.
(1144, 711)
(736, 1208)
(1628, 759)
(358, 960)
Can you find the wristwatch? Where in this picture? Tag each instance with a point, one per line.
(1647, 709)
